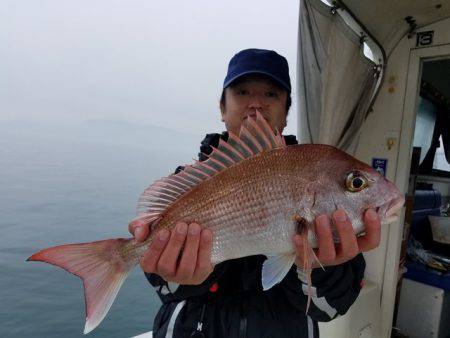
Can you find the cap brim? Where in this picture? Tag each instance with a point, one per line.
(279, 81)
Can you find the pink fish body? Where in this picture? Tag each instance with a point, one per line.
(253, 192)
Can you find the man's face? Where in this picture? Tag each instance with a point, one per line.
(249, 95)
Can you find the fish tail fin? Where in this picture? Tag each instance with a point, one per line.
(100, 266)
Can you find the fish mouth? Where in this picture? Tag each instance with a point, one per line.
(389, 211)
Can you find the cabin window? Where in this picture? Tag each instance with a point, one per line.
(370, 48)
(440, 161)
(425, 121)
(368, 53)
(432, 131)
(423, 136)
(327, 2)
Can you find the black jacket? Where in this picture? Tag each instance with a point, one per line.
(231, 302)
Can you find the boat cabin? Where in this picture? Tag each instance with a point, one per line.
(374, 80)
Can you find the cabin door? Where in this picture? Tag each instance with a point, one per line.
(424, 165)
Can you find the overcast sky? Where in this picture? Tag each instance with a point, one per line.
(148, 62)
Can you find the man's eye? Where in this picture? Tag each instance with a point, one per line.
(242, 92)
(271, 94)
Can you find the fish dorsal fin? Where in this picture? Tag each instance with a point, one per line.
(255, 136)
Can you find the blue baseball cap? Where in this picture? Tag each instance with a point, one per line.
(259, 61)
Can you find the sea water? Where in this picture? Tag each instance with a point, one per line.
(70, 184)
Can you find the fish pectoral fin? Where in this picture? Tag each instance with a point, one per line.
(275, 268)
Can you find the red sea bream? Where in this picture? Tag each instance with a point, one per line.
(253, 192)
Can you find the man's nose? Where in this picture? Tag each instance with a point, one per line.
(256, 102)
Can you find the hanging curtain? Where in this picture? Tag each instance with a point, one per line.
(336, 82)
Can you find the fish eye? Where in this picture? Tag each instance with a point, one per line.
(356, 181)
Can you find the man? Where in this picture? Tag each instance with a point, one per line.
(227, 300)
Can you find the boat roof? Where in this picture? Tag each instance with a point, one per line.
(385, 19)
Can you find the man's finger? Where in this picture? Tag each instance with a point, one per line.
(168, 262)
(373, 231)
(141, 233)
(139, 229)
(188, 260)
(132, 226)
(204, 267)
(151, 257)
(348, 246)
(327, 251)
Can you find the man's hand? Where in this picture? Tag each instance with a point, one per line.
(349, 246)
(182, 255)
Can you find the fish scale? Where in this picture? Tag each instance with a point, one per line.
(253, 192)
(248, 214)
